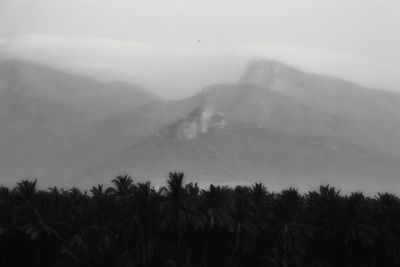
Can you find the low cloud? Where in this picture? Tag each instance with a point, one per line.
(180, 70)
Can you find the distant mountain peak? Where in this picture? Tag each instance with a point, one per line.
(264, 72)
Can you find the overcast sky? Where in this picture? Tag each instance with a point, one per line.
(175, 47)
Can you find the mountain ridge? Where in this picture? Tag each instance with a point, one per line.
(272, 118)
(285, 124)
(44, 113)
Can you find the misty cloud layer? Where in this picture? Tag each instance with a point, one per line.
(178, 71)
(176, 47)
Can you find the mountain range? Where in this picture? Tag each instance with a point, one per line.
(276, 124)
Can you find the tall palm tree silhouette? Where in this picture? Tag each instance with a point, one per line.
(291, 232)
(145, 205)
(179, 213)
(26, 189)
(123, 186)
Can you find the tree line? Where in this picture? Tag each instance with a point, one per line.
(135, 224)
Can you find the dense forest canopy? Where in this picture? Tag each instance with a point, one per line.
(135, 224)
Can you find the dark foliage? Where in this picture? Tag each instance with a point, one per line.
(133, 224)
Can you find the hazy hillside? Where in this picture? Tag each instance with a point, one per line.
(277, 123)
(44, 113)
(96, 98)
(369, 117)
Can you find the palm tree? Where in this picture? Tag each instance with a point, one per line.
(98, 192)
(261, 203)
(123, 186)
(179, 213)
(144, 200)
(26, 189)
(358, 233)
(324, 211)
(291, 233)
(214, 206)
(241, 224)
(37, 228)
(386, 219)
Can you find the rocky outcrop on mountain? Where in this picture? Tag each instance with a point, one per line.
(201, 121)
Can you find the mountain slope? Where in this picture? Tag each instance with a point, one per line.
(98, 99)
(370, 117)
(44, 113)
(241, 155)
(277, 123)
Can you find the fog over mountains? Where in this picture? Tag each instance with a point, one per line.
(277, 124)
